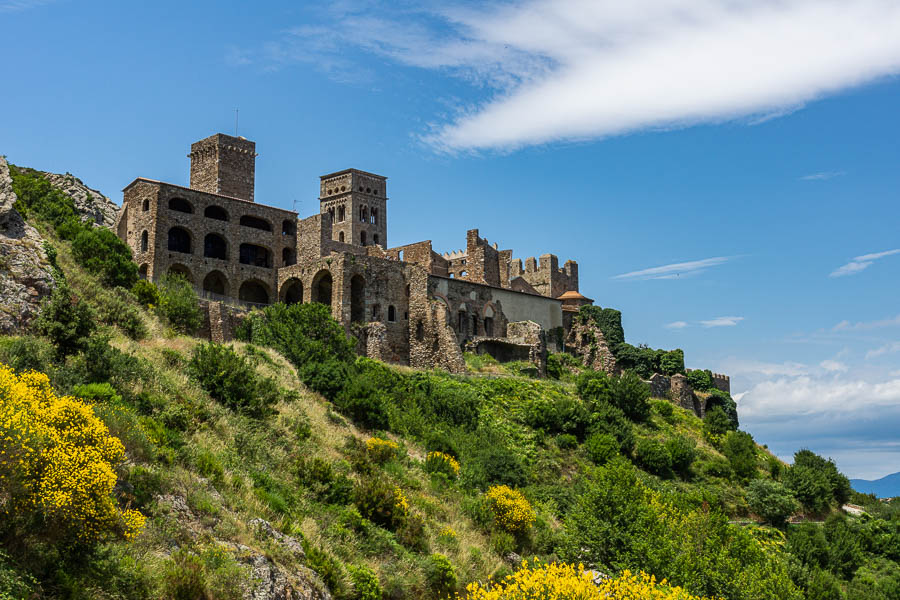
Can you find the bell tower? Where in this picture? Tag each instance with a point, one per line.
(357, 203)
(223, 164)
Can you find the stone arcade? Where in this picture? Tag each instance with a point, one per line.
(406, 304)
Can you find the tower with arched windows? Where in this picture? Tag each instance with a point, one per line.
(356, 201)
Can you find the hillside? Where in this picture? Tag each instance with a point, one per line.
(282, 466)
(886, 487)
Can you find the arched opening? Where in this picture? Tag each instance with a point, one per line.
(257, 256)
(321, 288)
(463, 273)
(489, 327)
(474, 324)
(181, 270)
(374, 216)
(376, 312)
(145, 241)
(461, 321)
(253, 291)
(357, 298)
(342, 214)
(407, 290)
(215, 246)
(292, 291)
(363, 214)
(287, 257)
(181, 205)
(146, 205)
(392, 316)
(289, 227)
(256, 223)
(375, 239)
(215, 283)
(179, 240)
(341, 237)
(331, 213)
(215, 212)
(362, 238)
(420, 331)
(142, 271)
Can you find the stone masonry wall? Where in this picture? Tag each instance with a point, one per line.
(225, 165)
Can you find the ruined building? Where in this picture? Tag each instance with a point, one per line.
(406, 304)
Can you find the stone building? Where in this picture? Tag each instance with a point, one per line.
(406, 304)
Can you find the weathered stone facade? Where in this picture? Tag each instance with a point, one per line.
(407, 304)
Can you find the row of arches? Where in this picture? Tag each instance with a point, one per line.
(216, 246)
(288, 226)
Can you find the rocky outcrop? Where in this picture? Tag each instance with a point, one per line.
(25, 273)
(90, 204)
(586, 341)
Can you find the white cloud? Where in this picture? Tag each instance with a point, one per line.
(675, 270)
(833, 366)
(882, 350)
(861, 263)
(866, 325)
(806, 395)
(822, 176)
(582, 69)
(739, 366)
(19, 5)
(722, 322)
(676, 325)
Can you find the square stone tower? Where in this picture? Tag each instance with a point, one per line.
(357, 203)
(223, 164)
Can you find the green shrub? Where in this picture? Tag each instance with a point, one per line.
(700, 381)
(824, 586)
(440, 576)
(178, 303)
(490, 461)
(845, 553)
(326, 566)
(631, 395)
(771, 501)
(365, 583)
(562, 414)
(671, 362)
(608, 320)
(101, 252)
(740, 450)
(717, 467)
(567, 441)
(27, 353)
(601, 447)
(682, 452)
(66, 320)
(653, 457)
(716, 425)
(807, 542)
(362, 401)
(411, 533)
(594, 388)
(815, 467)
(97, 392)
(183, 578)
(145, 292)
(664, 409)
(229, 378)
(724, 401)
(609, 419)
(377, 500)
(116, 307)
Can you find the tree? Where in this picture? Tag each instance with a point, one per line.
(740, 450)
(816, 482)
(771, 501)
(178, 303)
(671, 362)
(66, 320)
(101, 252)
(631, 395)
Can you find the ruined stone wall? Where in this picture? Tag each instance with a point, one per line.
(586, 341)
(545, 275)
(225, 165)
(531, 334)
(472, 309)
(211, 257)
(483, 260)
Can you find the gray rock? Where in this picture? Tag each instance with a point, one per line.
(271, 582)
(265, 530)
(90, 204)
(25, 274)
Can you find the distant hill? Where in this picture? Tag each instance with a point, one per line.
(886, 487)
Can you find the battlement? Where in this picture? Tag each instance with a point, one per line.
(545, 275)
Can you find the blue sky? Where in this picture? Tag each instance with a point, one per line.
(725, 173)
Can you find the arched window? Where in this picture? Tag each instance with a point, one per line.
(287, 257)
(375, 239)
(179, 240)
(181, 270)
(215, 283)
(257, 256)
(489, 326)
(256, 223)
(292, 291)
(420, 331)
(146, 205)
(145, 241)
(215, 246)
(374, 218)
(331, 213)
(342, 214)
(357, 298)
(254, 292)
(289, 227)
(341, 236)
(461, 322)
(181, 205)
(362, 238)
(215, 212)
(376, 312)
(362, 214)
(474, 324)
(142, 272)
(391, 313)
(321, 288)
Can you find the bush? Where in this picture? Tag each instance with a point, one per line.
(491, 462)
(682, 452)
(824, 586)
(609, 419)
(365, 583)
(671, 362)
(740, 450)
(65, 463)
(701, 381)
(97, 392)
(116, 307)
(101, 252)
(438, 462)
(231, 379)
(562, 414)
(510, 509)
(608, 320)
(381, 451)
(594, 388)
(816, 482)
(364, 402)
(601, 447)
(716, 425)
(631, 395)
(440, 576)
(664, 409)
(380, 501)
(771, 501)
(566, 441)
(178, 303)
(724, 401)
(326, 566)
(66, 320)
(146, 293)
(27, 353)
(653, 457)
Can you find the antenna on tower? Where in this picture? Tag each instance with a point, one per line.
(235, 122)
(294, 204)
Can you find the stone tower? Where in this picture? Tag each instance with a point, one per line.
(223, 164)
(357, 204)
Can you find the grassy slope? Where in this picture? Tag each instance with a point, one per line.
(231, 469)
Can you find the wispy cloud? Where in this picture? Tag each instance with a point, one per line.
(20, 5)
(676, 325)
(889, 348)
(867, 325)
(822, 176)
(675, 270)
(581, 69)
(861, 263)
(722, 322)
(833, 366)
